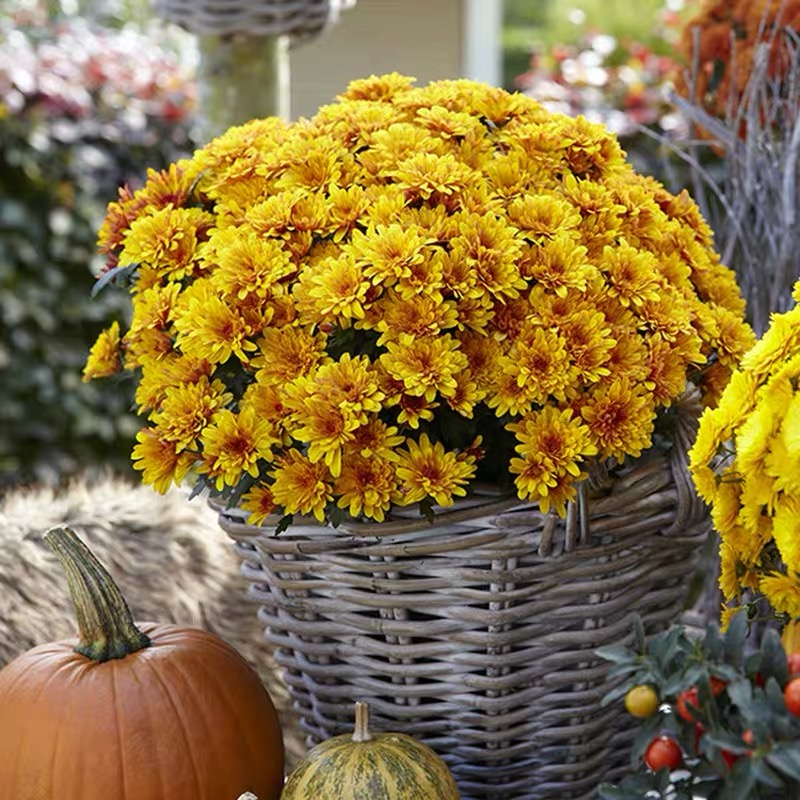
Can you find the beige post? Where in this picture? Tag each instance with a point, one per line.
(241, 77)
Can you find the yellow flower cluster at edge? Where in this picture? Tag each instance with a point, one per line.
(746, 464)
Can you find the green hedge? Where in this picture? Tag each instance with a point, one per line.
(82, 111)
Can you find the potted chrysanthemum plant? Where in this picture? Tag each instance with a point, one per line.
(746, 465)
(436, 353)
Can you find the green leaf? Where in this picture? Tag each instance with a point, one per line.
(283, 524)
(741, 782)
(627, 668)
(712, 644)
(647, 730)
(734, 639)
(616, 693)
(774, 696)
(118, 274)
(335, 515)
(740, 693)
(617, 653)
(607, 791)
(785, 758)
(726, 740)
(201, 484)
(639, 638)
(632, 787)
(773, 658)
(766, 775)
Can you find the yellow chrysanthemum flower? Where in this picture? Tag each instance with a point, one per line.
(426, 367)
(620, 419)
(301, 486)
(158, 461)
(233, 444)
(104, 356)
(208, 327)
(166, 239)
(786, 532)
(260, 502)
(336, 289)
(172, 369)
(326, 427)
(187, 409)
(425, 469)
(375, 439)
(783, 593)
(553, 444)
(242, 263)
(287, 353)
(367, 486)
(536, 367)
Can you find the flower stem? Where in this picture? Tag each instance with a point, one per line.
(105, 624)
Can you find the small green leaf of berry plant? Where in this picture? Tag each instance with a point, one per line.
(785, 759)
(617, 653)
(639, 639)
(734, 639)
(773, 658)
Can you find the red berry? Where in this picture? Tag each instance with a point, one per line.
(729, 758)
(688, 699)
(793, 660)
(699, 730)
(791, 694)
(717, 685)
(663, 753)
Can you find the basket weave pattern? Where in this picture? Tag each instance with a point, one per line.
(300, 19)
(477, 634)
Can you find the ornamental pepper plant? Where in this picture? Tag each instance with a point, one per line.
(725, 723)
(417, 290)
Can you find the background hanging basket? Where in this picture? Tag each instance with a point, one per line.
(300, 19)
(477, 634)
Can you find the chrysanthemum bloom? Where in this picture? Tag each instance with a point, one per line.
(722, 39)
(415, 290)
(746, 465)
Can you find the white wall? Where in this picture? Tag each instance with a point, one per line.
(423, 38)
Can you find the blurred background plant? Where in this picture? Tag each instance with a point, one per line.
(84, 108)
(739, 89)
(619, 83)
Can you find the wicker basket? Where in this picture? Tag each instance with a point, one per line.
(300, 19)
(477, 634)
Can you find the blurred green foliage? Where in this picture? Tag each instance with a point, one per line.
(82, 111)
(543, 24)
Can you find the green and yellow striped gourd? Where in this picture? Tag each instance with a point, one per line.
(366, 766)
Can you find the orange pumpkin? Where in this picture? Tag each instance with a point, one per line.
(157, 711)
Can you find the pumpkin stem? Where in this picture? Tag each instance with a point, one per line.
(361, 730)
(105, 624)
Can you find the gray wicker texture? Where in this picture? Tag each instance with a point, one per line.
(477, 635)
(300, 19)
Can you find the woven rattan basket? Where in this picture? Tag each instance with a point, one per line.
(477, 634)
(300, 19)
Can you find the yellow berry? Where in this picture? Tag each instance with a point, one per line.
(641, 701)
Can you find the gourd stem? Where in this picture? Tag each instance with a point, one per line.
(105, 624)
(361, 729)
